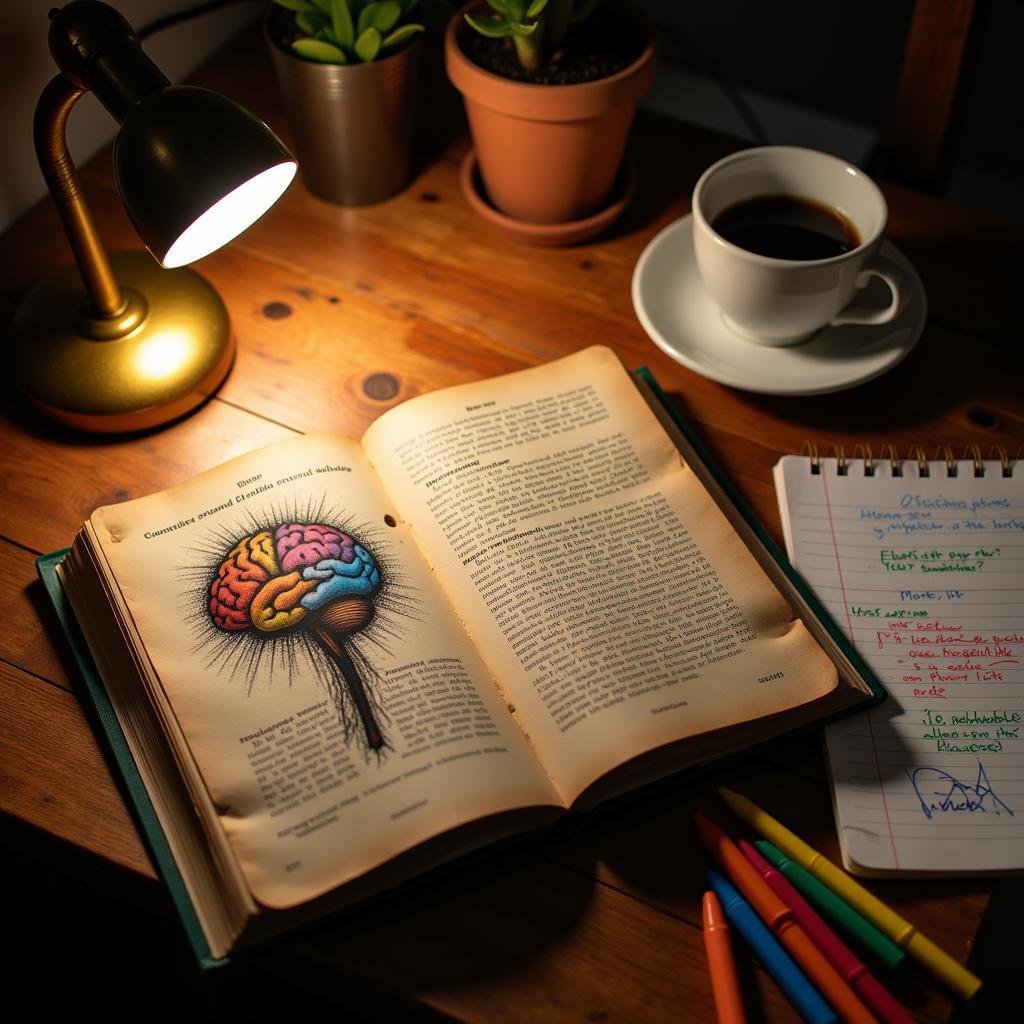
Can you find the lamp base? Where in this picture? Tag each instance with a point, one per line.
(162, 365)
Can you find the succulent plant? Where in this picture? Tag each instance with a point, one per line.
(536, 27)
(350, 31)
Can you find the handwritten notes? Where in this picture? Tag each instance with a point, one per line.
(925, 574)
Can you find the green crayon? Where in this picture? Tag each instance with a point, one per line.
(831, 906)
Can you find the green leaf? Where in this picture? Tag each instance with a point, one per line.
(400, 37)
(327, 36)
(368, 45)
(323, 5)
(318, 50)
(535, 8)
(509, 9)
(381, 16)
(295, 5)
(310, 22)
(524, 30)
(487, 26)
(341, 23)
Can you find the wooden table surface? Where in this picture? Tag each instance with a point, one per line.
(342, 313)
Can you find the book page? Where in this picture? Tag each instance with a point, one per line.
(926, 577)
(320, 678)
(613, 602)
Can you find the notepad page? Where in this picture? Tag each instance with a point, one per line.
(925, 574)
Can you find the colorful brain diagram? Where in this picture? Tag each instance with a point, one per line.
(308, 577)
(272, 580)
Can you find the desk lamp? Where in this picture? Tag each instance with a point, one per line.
(140, 345)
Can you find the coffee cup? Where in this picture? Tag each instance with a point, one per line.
(785, 238)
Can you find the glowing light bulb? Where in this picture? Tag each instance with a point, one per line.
(231, 215)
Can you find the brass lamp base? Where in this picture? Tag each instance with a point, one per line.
(164, 354)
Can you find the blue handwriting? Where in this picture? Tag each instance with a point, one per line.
(953, 795)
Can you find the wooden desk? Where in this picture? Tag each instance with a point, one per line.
(341, 313)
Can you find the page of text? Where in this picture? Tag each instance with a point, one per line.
(605, 589)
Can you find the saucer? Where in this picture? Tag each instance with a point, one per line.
(564, 233)
(681, 319)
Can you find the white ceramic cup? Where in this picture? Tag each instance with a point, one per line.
(778, 301)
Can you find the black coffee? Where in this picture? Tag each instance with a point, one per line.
(787, 228)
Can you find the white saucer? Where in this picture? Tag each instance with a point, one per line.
(681, 319)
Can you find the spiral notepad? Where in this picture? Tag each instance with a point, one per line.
(921, 563)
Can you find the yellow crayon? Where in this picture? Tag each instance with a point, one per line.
(900, 930)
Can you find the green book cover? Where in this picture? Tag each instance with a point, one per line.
(134, 791)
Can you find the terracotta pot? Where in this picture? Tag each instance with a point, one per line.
(548, 153)
(352, 123)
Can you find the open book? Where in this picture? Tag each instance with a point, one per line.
(336, 664)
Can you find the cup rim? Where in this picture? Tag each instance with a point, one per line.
(776, 261)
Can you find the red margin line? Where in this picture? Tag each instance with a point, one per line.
(849, 627)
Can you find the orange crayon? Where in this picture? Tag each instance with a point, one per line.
(779, 918)
(724, 982)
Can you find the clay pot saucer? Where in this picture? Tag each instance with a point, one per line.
(565, 233)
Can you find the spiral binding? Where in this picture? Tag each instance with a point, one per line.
(862, 454)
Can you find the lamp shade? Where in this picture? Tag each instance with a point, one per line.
(194, 169)
(143, 345)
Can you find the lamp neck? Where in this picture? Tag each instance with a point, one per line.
(97, 49)
(106, 300)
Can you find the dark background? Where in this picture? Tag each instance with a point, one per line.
(842, 60)
(818, 73)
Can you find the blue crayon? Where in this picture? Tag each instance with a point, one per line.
(774, 958)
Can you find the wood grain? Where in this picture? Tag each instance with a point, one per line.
(53, 777)
(57, 478)
(616, 849)
(341, 313)
(30, 638)
(544, 944)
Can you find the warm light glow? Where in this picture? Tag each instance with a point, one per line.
(231, 215)
(163, 354)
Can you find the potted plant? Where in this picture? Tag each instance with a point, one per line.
(550, 88)
(347, 71)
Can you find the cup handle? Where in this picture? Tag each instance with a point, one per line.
(897, 288)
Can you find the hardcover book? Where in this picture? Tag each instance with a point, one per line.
(330, 665)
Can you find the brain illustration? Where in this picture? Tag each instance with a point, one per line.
(272, 581)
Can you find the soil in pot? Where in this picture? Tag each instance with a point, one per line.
(601, 46)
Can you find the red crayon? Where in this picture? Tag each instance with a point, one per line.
(856, 974)
(781, 921)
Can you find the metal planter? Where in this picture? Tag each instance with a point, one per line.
(352, 123)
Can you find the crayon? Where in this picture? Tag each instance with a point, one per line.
(901, 931)
(776, 961)
(828, 904)
(853, 972)
(781, 921)
(724, 983)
